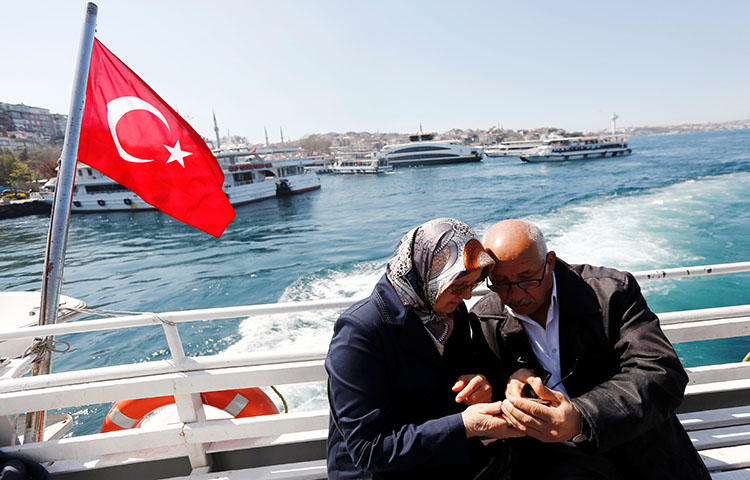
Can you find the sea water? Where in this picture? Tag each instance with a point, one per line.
(677, 200)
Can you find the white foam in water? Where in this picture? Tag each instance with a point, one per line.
(305, 330)
(644, 231)
(660, 228)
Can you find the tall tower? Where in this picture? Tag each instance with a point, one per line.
(613, 123)
(216, 130)
(281, 131)
(266, 132)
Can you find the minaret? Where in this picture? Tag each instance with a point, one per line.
(282, 135)
(266, 132)
(613, 120)
(216, 129)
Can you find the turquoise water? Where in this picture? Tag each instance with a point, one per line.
(678, 200)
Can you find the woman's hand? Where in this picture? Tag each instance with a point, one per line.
(485, 420)
(473, 389)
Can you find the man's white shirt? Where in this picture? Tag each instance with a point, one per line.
(545, 342)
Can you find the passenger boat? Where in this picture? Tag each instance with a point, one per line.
(95, 192)
(360, 162)
(288, 174)
(514, 148)
(716, 410)
(424, 151)
(248, 178)
(577, 148)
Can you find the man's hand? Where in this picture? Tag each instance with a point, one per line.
(557, 422)
(473, 389)
(517, 381)
(484, 420)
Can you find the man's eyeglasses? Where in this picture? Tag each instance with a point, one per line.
(525, 285)
(461, 288)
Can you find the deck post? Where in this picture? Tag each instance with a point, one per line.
(189, 405)
(60, 216)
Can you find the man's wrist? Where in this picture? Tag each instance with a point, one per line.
(584, 434)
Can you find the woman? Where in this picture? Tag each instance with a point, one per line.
(398, 358)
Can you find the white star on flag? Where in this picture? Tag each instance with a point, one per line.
(176, 154)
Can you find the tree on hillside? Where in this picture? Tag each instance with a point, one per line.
(47, 168)
(7, 164)
(315, 144)
(21, 173)
(43, 161)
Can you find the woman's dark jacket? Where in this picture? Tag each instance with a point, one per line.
(390, 392)
(619, 369)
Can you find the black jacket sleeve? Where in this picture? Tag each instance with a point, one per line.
(649, 381)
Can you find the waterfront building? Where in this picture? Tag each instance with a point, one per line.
(32, 121)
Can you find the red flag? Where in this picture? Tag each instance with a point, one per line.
(254, 150)
(132, 136)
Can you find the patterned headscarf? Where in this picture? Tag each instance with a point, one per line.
(428, 259)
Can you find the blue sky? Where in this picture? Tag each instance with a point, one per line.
(320, 66)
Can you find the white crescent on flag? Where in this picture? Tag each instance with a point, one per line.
(116, 109)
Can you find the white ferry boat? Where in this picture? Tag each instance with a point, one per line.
(288, 174)
(424, 151)
(360, 162)
(577, 148)
(715, 412)
(95, 192)
(247, 178)
(513, 148)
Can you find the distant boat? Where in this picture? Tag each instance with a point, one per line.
(287, 172)
(360, 162)
(577, 148)
(424, 151)
(248, 178)
(513, 148)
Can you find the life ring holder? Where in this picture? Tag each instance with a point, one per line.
(245, 402)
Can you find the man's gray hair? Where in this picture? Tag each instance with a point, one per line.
(536, 236)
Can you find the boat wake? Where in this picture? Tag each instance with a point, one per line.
(306, 330)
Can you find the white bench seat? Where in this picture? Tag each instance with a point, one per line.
(314, 470)
(743, 474)
(722, 437)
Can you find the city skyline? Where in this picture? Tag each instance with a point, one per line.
(319, 67)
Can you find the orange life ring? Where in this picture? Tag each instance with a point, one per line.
(245, 402)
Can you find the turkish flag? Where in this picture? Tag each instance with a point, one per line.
(132, 136)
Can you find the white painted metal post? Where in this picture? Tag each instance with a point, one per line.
(60, 216)
(189, 406)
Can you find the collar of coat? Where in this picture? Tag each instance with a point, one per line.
(575, 297)
(413, 336)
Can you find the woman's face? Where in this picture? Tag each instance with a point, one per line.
(456, 292)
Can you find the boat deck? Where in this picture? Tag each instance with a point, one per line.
(716, 410)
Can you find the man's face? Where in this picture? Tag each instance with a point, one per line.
(524, 283)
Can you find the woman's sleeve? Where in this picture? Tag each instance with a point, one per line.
(362, 399)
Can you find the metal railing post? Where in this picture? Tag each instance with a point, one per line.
(60, 217)
(189, 405)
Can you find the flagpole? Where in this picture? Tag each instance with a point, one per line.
(60, 216)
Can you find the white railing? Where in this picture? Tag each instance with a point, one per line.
(186, 377)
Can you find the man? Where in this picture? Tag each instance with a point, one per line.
(613, 380)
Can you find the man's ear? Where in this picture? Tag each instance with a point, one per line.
(551, 257)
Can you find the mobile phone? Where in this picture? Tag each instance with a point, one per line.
(529, 394)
